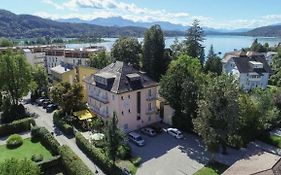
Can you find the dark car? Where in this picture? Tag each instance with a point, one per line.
(51, 107)
(126, 172)
(40, 101)
(156, 128)
(46, 103)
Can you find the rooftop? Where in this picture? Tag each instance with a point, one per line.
(61, 69)
(262, 163)
(123, 78)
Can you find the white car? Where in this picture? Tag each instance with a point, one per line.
(175, 133)
(148, 131)
(136, 138)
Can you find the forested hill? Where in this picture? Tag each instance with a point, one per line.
(268, 31)
(28, 26)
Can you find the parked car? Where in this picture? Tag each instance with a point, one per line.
(136, 138)
(156, 128)
(148, 131)
(126, 172)
(175, 133)
(46, 103)
(51, 107)
(39, 101)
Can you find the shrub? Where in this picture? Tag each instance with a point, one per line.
(100, 159)
(61, 124)
(12, 113)
(37, 157)
(72, 162)
(14, 141)
(136, 161)
(16, 126)
(18, 167)
(124, 152)
(46, 139)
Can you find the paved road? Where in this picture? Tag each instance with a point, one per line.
(46, 120)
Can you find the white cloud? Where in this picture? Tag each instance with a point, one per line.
(110, 8)
(51, 2)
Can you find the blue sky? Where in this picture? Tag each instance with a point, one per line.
(212, 13)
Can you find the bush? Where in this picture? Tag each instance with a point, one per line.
(18, 167)
(124, 152)
(12, 113)
(14, 141)
(136, 161)
(72, 162)
(37, 157)
(50, 164)
(16, 126)
(100, 159)
(61, 124)
(46, 139)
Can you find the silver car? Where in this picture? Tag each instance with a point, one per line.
(175, 133)
(148, 131)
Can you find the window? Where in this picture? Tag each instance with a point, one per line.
(138, 117)
(129, 96)
(73, 61)
(122, 98)
(149, 118)
(149, 107)
(113, 97)
(138, 102)
(122, 112)
(149, 92)
(129, 111)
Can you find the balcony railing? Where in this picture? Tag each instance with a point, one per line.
(98, 112)
(151, 98)
(152, 111)
(99, 98)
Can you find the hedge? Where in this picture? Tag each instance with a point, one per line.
(96, 156)
(73, 164)
(46, 139)
(62, 125)
(16, 126)
(49, 164)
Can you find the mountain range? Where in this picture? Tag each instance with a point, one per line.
(29, 26)
(121, 22)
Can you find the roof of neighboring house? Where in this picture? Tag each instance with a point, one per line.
(83, 115)
(121, 78)
(262, 163)
(61, 69)
(244, 66)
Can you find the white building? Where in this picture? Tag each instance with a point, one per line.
(76, 57)
(122, 89)
(252, 71)
(34, 56)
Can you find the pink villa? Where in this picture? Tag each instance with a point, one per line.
(130, 93)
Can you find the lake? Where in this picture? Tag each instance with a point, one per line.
(221, 43)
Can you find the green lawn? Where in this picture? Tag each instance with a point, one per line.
(212, 169)
(26, 150)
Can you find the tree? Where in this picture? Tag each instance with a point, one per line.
(69, 98)
(19, 167)
(277, 99)
(99, 60)
(40, 79)
(179, 86)
(154, 62)
(128, 50)
(193, 43)
(5, 42)
(213, 63)
(15, 76)
(114, 138)
(257, 47)
(217, 112)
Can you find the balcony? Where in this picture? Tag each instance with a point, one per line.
(99, 112)
(102, 99)
(152, 111)
(255, 79)
(151, 98)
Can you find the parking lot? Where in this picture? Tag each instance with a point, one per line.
(166, 155)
